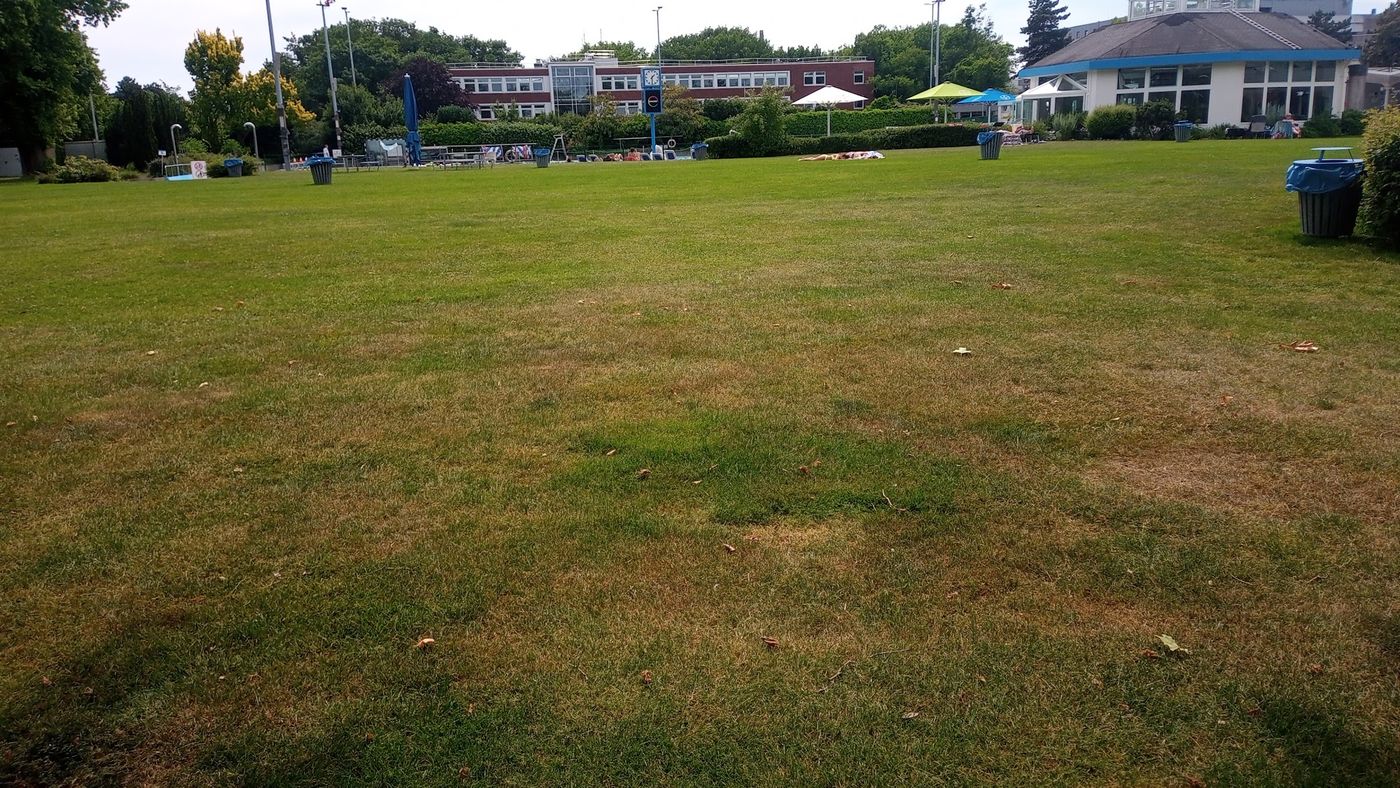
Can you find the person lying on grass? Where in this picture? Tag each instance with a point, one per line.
(854, 154)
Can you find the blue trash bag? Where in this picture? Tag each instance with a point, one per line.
(984, 137)
(1322, 176)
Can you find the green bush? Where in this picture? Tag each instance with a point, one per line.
(451, 113)
(497, 133)
(1112, 122)
(722, 108)
(761, 123)
(928, 136)
(356, 135)
(1353, 122)
(1068, 125)
(1322, 126)
(81, 169)
(1380, 205)
(1154, 120)
(845, 121)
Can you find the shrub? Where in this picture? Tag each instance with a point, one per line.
(1113, 122)
(81, 169)
(1353, 122)
(1380, 205)
(883, 102)
(1219, 131)
(761, 123)
(928, 136)
(497, 133)
(1068, 125)
(1154, 120)
(721, 109)
(1322, 126)
(451, 113)
(845, 121)
(356, 135)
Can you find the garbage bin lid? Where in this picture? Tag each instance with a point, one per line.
(1189, 123)
(1320, 176)
(984, 137)
(232, 162)
(320, 160)
(1322, 152)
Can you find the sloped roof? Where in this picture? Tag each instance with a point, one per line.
(1175, 34)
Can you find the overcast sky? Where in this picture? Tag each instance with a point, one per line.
(148, 40)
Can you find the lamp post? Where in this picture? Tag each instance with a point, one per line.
(657, 11)
(277, 82)
(256, 155)
(330, 70)
(174, 144)
(936, 36)
(351, 43)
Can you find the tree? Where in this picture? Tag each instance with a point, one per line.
(1044, 35)
(47, 71)
(432, 84)
(1327, 22)
(215, 63)
(626, 51)
(761, 123)
(972, 54)
(717, 43)
(131, 133)
(1384, 47)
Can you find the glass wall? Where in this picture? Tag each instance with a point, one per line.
(573, 85)
(1302, 88)
(1186, 88)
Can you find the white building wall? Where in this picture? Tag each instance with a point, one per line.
(1226, 93)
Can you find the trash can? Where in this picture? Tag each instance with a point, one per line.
(1329, 195)
(699, 151)
(234, 167)
(321, 167)
(542, 156)
(1183, 130)
(991, 144)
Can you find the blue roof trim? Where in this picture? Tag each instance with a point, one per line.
(1192, 57)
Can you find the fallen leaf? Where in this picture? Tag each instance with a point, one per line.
(150, 352)
(1306, 346)
(1226, 399)
(11, 424)
(464, 773)
(218, 309)
(610, 452)
(1171, 644)
(646, 677)
(805, 470)
(981, 679)
(1195, 782)
(728, 548)
(46, 681)
(962, 351)
(770, 642)
(816, 463)
(644, 473)
(1149, 653)
(1315, 669)
(425, 643)
(909, 715)
(204, 385)
(1002, 285)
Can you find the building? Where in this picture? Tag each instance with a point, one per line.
(566, 86)
(1214, 62)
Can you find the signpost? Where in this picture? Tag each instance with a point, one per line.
(651, 97)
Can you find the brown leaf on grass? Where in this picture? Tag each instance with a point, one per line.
(981, 679)
(11, 424)
(218, 309)
(646, 677)
(1305, 346)
(644, 473)
(239, 303)
(816, 463)
(1315, 669)
(1150, 653)
(770, 642)
(1225, 400)
(1195, 782)
(728, 548)
(46, 681)
(464, 773)
(1002, 285)
(909, 715)
(804, 470)
(425, 643)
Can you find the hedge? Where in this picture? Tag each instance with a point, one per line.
(1380, 206)
(733, 146)
(847, 121)
(498, 132)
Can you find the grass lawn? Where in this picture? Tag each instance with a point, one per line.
(264, 437)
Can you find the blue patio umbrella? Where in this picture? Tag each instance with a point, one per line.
(990, 97)
(410, 119)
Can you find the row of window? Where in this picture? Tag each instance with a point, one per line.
(525, 111)
(753, 79)
(1163, 77)
(1194, 103)
(1257, 71)
(1303, 101)
(619, 82)
(501, 84)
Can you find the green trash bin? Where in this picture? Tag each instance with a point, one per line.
(321, 167)
(1329, 195)
(1183, 130)
(234, 167)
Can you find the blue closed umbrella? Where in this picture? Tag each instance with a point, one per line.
(410, 119)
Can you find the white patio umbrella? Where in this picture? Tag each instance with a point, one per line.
(829, 96)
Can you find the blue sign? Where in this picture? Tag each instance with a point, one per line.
(651, 101)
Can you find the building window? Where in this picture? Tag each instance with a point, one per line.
(1251, 104)
(1195, 105)
(1300, 102)
(1278, 72)
(1302, 71)
(859, 78)
(1162, 77)
(1132, 99)
(1196, 75)
(623, 81)
(1322, 102)
(814, 78)
(1131, 79)
(1254, 72)
(486, 113)
(1326, 71)
(1168, 96)
(1276, 102)
(573, 86)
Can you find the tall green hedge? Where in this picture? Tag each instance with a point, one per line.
(495, 133)
(734, 146)
(1380, 206)
(846, 121)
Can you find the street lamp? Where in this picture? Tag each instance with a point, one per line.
(174, 144)
(657, 11)
(936, 34)
(256, 155)
(351, 42)
(330, 70)
(277, 82)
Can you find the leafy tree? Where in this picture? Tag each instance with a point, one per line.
(47, 71)
(972, 54)
(361, 105)
(717, 43)
(215, 63)
(1043, 31)
(1384, 47)
(761, 123)
(432, 84)
(167, 107)
(626, 51)
(131, 133)
(1327, 22)
(682, 117)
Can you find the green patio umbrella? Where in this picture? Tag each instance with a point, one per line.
(945, 92)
